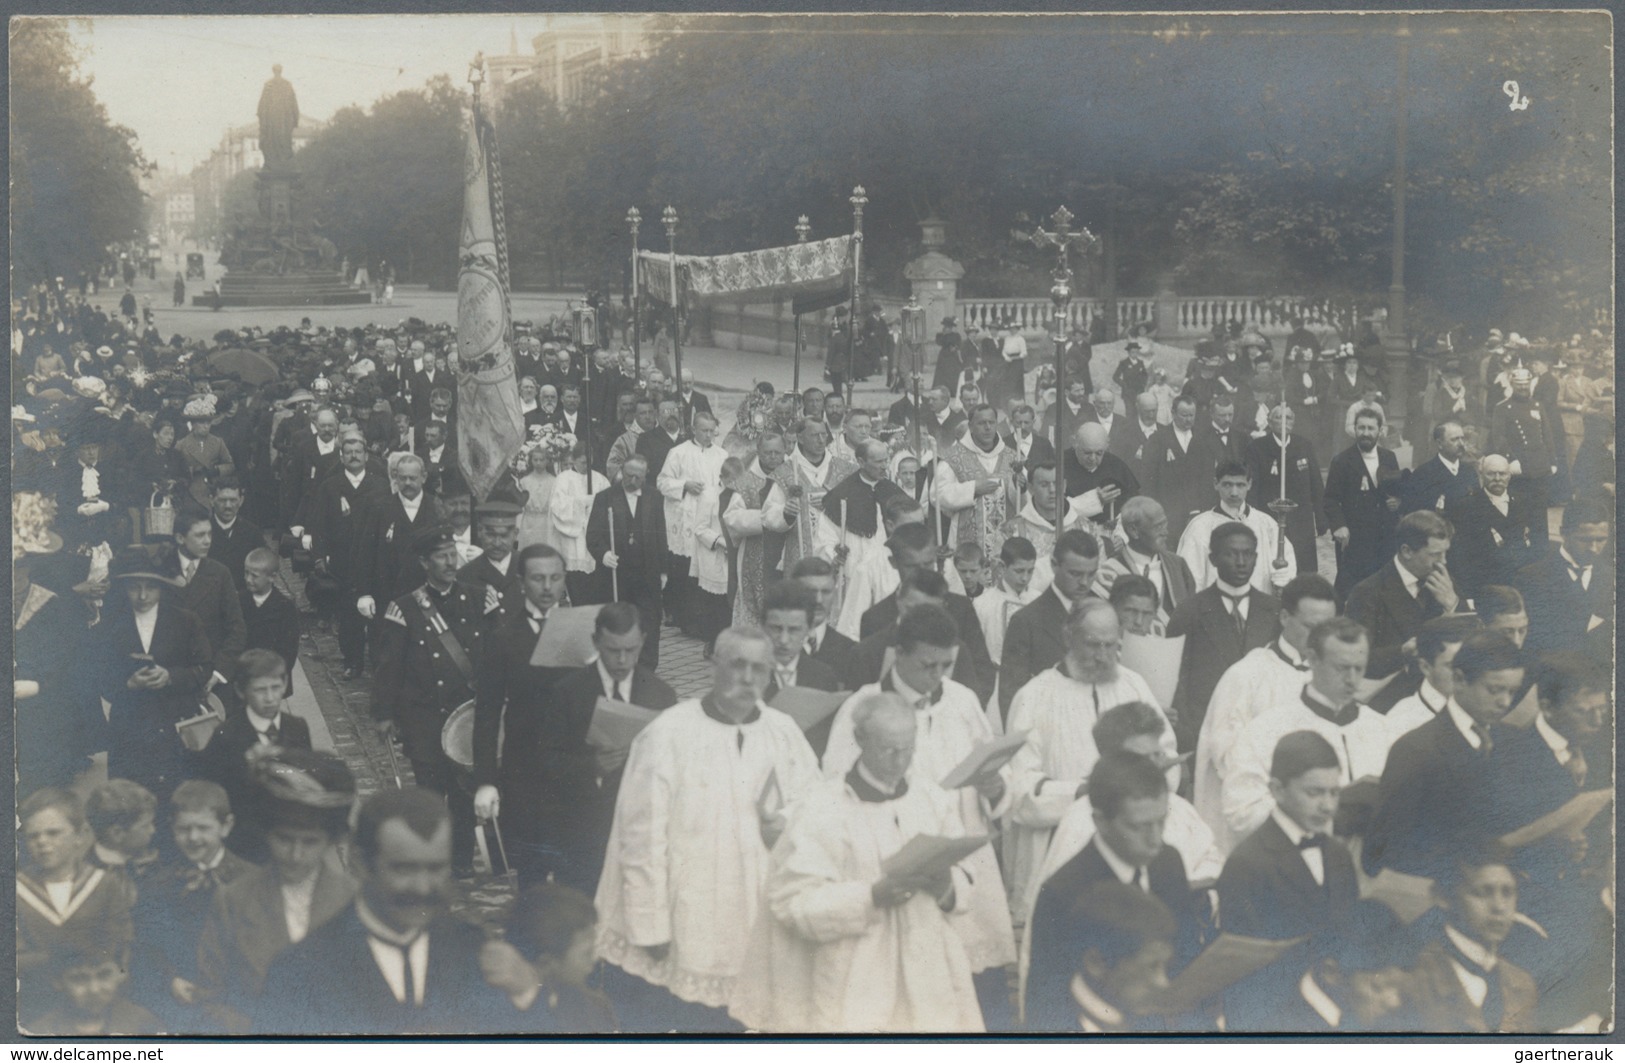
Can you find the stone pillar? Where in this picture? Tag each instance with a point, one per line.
(934, 277)
(1167, 314)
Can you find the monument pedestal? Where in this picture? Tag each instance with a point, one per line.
(279, 258)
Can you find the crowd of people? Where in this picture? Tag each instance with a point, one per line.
(999, 736)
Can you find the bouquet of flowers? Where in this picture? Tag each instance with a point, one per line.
(552, 440)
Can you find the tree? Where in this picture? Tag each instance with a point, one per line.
(74, 174)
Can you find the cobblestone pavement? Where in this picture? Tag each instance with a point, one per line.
(346, 706)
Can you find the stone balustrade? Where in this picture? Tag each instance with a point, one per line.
(1174, 316)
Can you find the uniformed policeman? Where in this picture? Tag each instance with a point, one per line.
(1526, 433)
(428, 661)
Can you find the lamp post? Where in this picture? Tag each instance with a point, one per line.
(857, 199)
(913, 325)
(803, 231)
(1062, 239)
(586, 336)
(633, 219)
(669, 217)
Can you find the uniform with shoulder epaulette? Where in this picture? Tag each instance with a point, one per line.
(428, 661)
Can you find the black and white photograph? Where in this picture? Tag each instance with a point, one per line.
(909, 525)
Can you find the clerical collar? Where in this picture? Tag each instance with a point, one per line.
(708, 705)
(871, 790)
(1321, 705)
(1289, 653)
(867, 482)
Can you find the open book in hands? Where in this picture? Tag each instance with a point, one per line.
(614, 724)
(925, 857)
(987, 758)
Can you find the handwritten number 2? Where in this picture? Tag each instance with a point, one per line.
(1519, 103)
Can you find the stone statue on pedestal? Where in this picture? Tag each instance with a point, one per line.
(279, 117)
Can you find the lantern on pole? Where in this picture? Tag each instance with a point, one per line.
(669, 218)
(803, 231)
(633, 219)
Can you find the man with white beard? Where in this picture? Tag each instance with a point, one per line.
(845, 946)
(1058, 708)
(951, 723)
(688, 852)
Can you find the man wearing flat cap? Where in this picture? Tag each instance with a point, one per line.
(428, 660)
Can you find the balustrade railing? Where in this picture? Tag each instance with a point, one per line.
(1173, 316)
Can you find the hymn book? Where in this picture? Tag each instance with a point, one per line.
(1573, 816)
(614, 724)
(566, 638)
(926, 856)
(808, 707)
(1228, 959)
(984, 760)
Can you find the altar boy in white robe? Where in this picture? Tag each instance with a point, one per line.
(688, 852)
(951, 723)
(844, 946)
(1058, 708)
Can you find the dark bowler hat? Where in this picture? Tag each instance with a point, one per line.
(431, 539)
(950, 322)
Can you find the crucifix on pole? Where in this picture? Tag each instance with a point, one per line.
(1062, 239)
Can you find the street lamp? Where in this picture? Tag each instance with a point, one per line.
(1063, 239)
(669, 217)
(633, 219)
(912, 318)
(803, 231)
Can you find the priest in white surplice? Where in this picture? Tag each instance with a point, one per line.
(1232, 481)
(976, 484)
(691, 467)
(688, 851)
(1266, 677)
(1058, 708)
(1037, 520)
(843, 947)
(951, 723)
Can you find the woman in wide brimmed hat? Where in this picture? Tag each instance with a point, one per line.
(151, 660)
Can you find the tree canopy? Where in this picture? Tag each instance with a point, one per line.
(74, 174)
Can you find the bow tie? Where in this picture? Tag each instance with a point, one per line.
(199, 878)
(1312, 841)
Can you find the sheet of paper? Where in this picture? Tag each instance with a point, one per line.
(809, 707)
(615, 723)
(925, 855)
(566, 639)
(1156, 660)
(986, 758)
(1226, 961)
(1571, 817)
(1407, 896)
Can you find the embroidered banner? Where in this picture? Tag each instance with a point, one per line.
(797, 270)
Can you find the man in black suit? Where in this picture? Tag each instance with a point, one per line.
(570, 417)
(1133, 438)
(555, 791)
(1097, 482)
(824, 644)
(309, 457)
(207, 591)
(655, 444)
(1221, 625)
(232, 535)
(1362, 502)
(1497, 530)
(496, 522)
(332, 519)
(1398, 598)
(386, 530)
(912, 553)
(1028, 445)
(693, 402)
(941, 419)
(1570, 592)
(1437, 799)
(1073, 409)
(1444, 479)
(1129, 799)
(924, 586)
(1034, 641)
(1220, 438)
(637, 551)
(788, 611)
(1179, 472)
(270, 618)
(1290, 878)
(394, 961)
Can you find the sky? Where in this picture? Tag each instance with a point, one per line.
(181, 81)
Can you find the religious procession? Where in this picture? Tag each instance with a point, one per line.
(1052, 678)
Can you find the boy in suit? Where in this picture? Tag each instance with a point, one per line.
(123, 816)
(543, 963)
(1395, 600)
(261, 678)
(1570, 591)
(1033, 641)
(306, 797)
(824, 643)
(1289, 878)
(270, 617)
(1458, 983)
(637, 550)
(175, 901)
(89, 978)
(207, 589)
